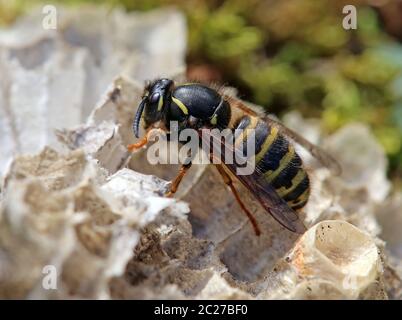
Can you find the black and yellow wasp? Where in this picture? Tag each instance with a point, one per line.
(279, 182)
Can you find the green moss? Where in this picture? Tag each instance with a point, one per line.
(10, 10)
(342, 102)
(227, 35)
(390, 138)
(327, 36)
(369, 68)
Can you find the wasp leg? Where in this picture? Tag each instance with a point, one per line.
(176, 182)
(135, 146)
(228, 181)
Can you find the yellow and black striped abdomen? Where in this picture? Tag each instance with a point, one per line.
(276, 160)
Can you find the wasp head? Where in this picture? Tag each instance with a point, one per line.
(153, 104)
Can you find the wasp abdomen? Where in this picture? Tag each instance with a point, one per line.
(277, 162)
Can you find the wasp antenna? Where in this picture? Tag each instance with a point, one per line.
(137, 119)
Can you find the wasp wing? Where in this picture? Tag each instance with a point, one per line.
(261, 190)
(272, 202)
(322, 156)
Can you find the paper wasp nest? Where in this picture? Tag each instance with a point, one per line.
(76, 204)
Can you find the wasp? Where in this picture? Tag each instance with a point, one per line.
(280, 182)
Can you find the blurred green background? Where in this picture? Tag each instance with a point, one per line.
(293, 54)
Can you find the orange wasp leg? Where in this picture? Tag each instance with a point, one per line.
(135, 146)
(143, 141)
(228, 181)
(176, 182)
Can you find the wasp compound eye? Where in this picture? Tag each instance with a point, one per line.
(154, 97)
